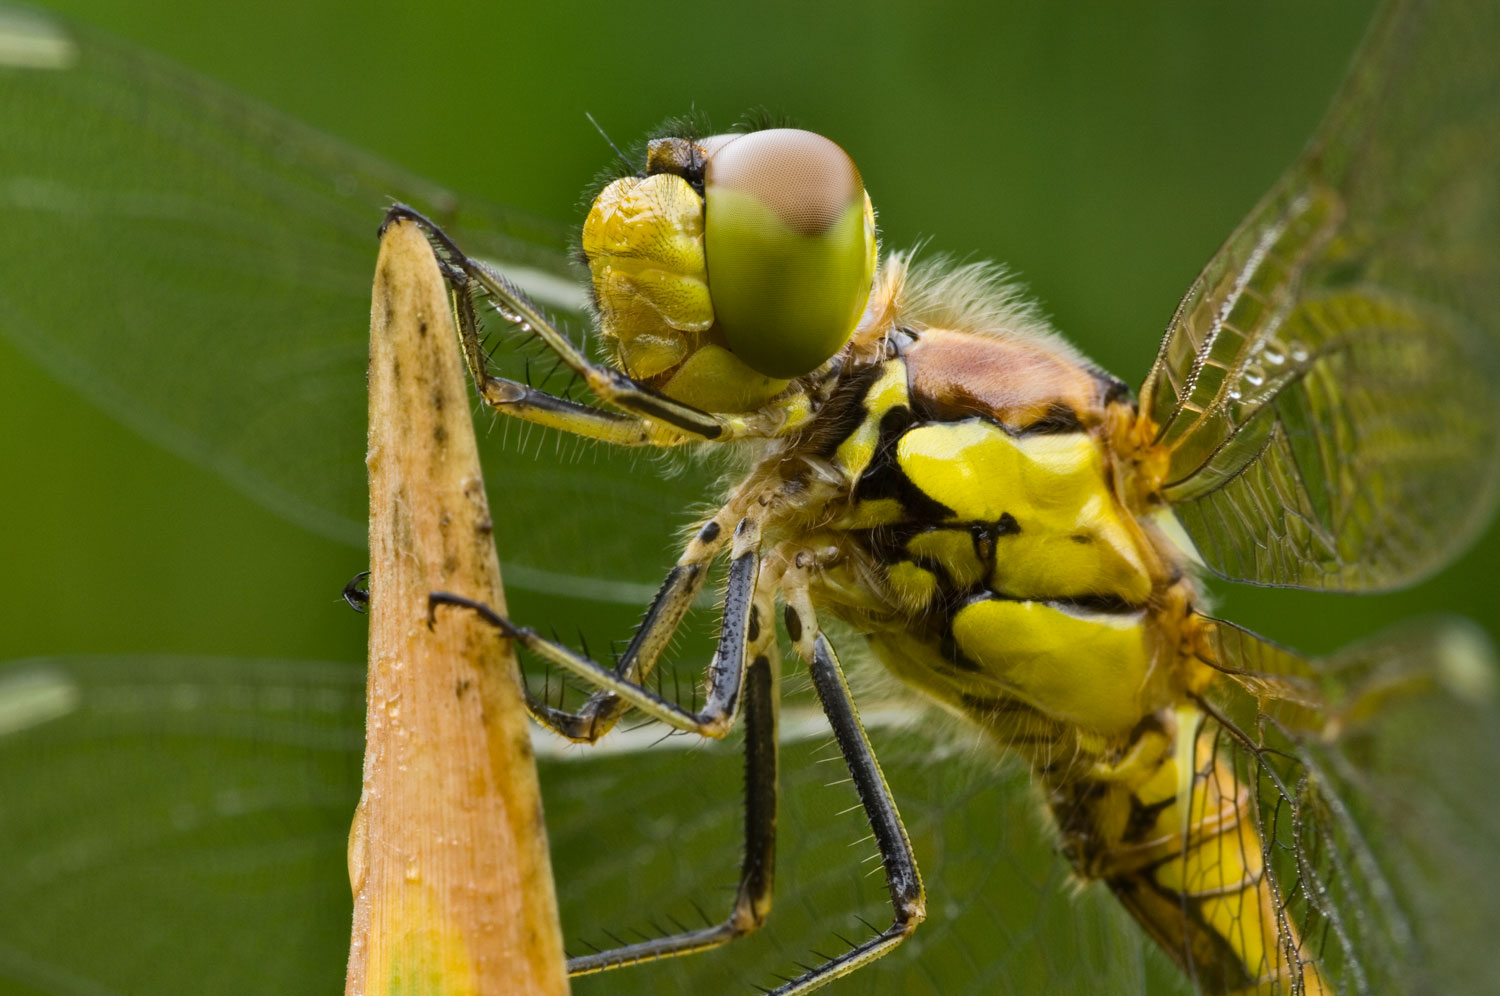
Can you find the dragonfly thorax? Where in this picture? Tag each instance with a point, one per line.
(984, 546)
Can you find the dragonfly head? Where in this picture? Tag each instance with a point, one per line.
(736, 263)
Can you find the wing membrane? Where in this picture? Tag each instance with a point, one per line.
(218, 790)
(1369, 797)
(199, 266)
(1328, 389)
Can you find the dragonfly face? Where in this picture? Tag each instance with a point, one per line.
(648, 505)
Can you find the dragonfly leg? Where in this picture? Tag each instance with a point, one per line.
(356, 593)
(759, 679)
(519, 400)
(747, 662)
(741, 626)
(652, 418)
(908, 900)
(598, 715)
(752, 902)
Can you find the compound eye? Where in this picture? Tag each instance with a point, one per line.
(789, 239)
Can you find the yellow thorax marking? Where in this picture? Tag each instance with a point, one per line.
(855, 453)
(954, 549)
(1073, 540)
(889, 390)
(914, 587)
(1088, 669)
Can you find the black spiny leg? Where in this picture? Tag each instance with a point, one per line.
(356, 593)
(599, 714)
(753, 899)
(653, 419)
(907, 897)
(726, 672)
(747, 634)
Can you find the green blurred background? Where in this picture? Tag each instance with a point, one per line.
(1102, 150)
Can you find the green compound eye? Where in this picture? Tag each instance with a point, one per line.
(789, 238)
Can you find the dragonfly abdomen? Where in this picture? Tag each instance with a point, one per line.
(1170, 828)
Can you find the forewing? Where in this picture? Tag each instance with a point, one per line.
(200, 266)
(1328, 392)
(1369, 785)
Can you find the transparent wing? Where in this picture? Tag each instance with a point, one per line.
(1328, 390)
(218, 791)
(1370, 775)
(153, 795)
(199, 266)
(1005, 915)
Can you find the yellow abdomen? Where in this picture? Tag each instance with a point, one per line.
(1171, 829)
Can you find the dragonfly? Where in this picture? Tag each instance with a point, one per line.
(331, 181)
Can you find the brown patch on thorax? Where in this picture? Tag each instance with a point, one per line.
(1018, 382)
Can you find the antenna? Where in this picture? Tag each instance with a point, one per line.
(610, 142)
